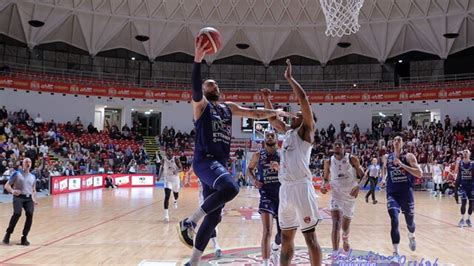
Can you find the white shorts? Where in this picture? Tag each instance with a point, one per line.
(173, 183)
(437, 179)
(298, 206)
(343, 202)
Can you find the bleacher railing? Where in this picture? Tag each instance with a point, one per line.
(130, 81)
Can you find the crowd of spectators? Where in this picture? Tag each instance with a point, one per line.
(79, 150)
(431, 142)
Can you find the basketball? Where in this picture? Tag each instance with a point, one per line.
(212, 36)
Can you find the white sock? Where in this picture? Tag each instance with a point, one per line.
(395, 249)
(411, 235)
(265, 262)
(215, 244)
(197, 216)
(195, 257)
(462, 216)
(166, 212)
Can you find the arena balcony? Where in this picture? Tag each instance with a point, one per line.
(127, 81)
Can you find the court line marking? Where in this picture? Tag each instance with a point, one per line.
(79, 232)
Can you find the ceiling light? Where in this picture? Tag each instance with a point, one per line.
(382, 115)
(151, 110)
(242, 46)
(142, 38)
(427, 110)
(133, 58)
(147, 113)
(451, 35)
(355, 85)
(343, 44)
(36, 23)
(133, 109)
(400, 61)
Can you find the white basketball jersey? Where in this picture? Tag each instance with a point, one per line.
(437, 170)
(343, 175)
(294, 159)
(169, 167)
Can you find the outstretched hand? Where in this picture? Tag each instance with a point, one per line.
(200, 50)
(281, 113)
(288, 74)
(265, 92)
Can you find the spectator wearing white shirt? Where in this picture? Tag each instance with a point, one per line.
(38, 119)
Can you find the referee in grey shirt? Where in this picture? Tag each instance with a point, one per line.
(22, 185)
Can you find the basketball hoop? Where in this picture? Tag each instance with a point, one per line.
(342, 16)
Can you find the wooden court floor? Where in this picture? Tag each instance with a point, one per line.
(125, 227)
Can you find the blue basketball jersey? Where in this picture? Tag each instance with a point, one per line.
(466, 173)
(266, 174)
(214, 133)
(398, 180)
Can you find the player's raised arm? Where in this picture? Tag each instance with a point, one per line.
(199, 102)
(274, 121)
(256, 113)
(308, 120)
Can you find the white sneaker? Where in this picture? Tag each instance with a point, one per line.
(167, 218)
(461, 223)
(275, 254)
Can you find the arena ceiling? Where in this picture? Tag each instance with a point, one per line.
(272, 28)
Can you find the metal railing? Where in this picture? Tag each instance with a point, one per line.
(130, 81)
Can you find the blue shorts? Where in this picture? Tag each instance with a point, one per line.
(465, 193)
(269, 204)
(403, 201)
(209, 171)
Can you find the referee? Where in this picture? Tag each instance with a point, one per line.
(22, 185)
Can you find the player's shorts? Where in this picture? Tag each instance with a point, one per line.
(209, 171)
(403, 201)
(268, 204)
(437, 179)
(172, 182)
(343, 202)
(466, 193)
(298, 206)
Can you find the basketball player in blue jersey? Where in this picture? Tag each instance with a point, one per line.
(464, 187)
(267, 163)
(399, 172)
(213, 123)
(298, 204)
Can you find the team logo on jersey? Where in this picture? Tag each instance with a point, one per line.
(307, 219)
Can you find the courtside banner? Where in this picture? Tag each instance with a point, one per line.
(418, 94)
(66, 184)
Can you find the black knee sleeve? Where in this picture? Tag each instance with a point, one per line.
(167, 198)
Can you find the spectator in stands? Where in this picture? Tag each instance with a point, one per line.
(342, 127)
(331, 132)
(132, 167)
(91, 129)
(183, 159)
(126, 132)
(3, 113)
(69, 171)
(38, 120)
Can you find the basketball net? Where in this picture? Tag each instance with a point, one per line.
(342, 16)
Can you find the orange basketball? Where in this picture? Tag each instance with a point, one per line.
(212, 36)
